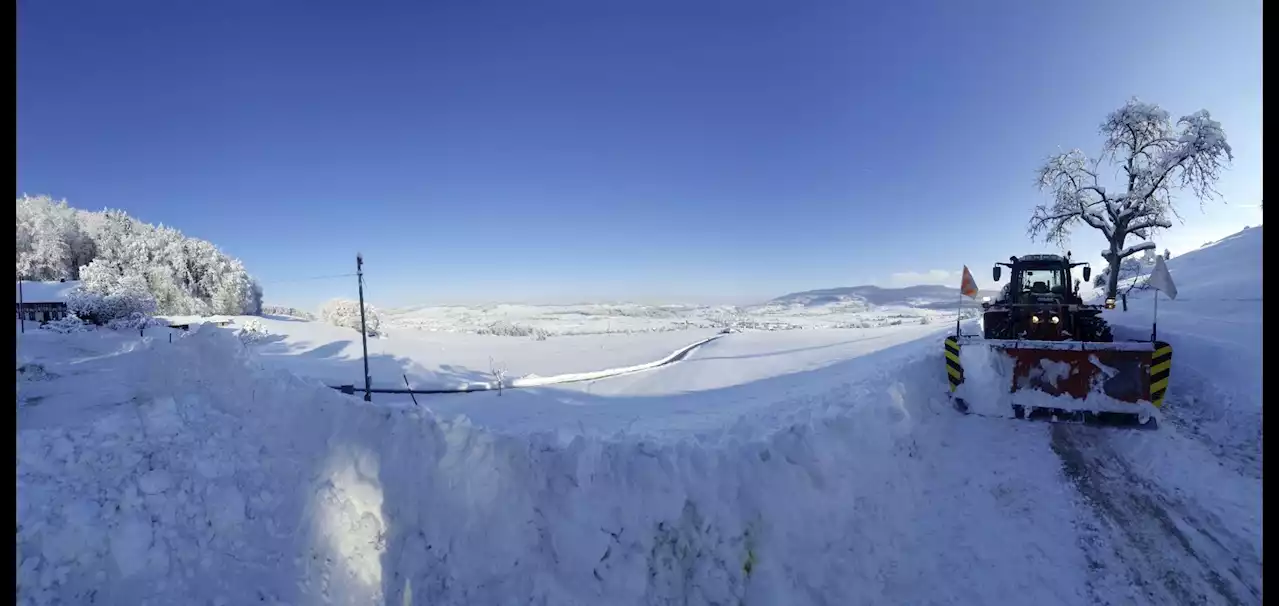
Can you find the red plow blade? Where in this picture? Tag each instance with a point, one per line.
(1114, 383)
(1123, 375)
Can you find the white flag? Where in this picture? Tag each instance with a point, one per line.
(1161, 280)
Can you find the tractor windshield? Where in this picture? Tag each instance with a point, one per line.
(1043, 281)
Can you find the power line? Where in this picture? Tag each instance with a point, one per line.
(334, 276)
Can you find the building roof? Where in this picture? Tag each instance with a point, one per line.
(45, 292)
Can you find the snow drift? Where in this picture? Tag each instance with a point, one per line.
(209, 477)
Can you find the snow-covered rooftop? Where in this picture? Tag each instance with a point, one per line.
(44, 292)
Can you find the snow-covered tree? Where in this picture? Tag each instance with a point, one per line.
(51, 243)
(1155, 160)
(346, 313)
(183, 275)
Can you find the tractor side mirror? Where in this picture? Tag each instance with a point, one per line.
(1087, 271)
(995, 273)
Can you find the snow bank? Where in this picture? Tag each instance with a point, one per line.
(1215, 327)
(987, 377)
(212, 480)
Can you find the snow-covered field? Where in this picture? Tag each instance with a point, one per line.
(551, 320)
(433, 360)
(814, 466)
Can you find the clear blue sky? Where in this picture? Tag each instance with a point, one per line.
(656, 150)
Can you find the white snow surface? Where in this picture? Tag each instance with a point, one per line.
(444, 360)
(753, 378)
(208, 476)
(988, 375)
(801, 467)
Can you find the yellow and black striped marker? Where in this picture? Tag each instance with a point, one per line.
(1161, 359)
(955, 374)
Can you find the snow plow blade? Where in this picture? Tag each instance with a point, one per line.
(1115, 383)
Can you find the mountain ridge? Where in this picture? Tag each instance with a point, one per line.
(927, 296)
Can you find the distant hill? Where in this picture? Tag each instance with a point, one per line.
(926, 296)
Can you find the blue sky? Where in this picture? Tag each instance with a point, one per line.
(656, 151)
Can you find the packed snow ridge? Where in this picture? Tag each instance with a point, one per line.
(237, 484)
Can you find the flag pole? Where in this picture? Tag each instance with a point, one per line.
(1155, 311)
(959, 306)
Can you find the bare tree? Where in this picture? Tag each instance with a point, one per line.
(1154, 161)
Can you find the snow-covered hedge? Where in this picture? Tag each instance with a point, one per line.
(68, 324)
(112, 301)
(292, 312)
(252, 331)
(183, 275)
(502, 328)
(346, 313)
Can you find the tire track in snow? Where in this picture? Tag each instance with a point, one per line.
(1170, 549)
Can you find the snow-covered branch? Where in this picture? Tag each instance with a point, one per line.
(1137, 248)
(1138, 226)
(1076, 197)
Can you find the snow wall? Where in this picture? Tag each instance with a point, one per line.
(220, 482)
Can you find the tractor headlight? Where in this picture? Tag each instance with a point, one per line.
(1053, 319)
(1111, 304)
(1035, 319)
(986, 299)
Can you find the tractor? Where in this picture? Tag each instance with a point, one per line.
(1040, 303)
(1057, 353)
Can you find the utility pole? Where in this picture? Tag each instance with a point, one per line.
(22, 315)
(364, 335)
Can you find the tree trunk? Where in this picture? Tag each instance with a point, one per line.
(1113, 268)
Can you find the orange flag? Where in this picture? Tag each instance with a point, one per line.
(968, 287)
